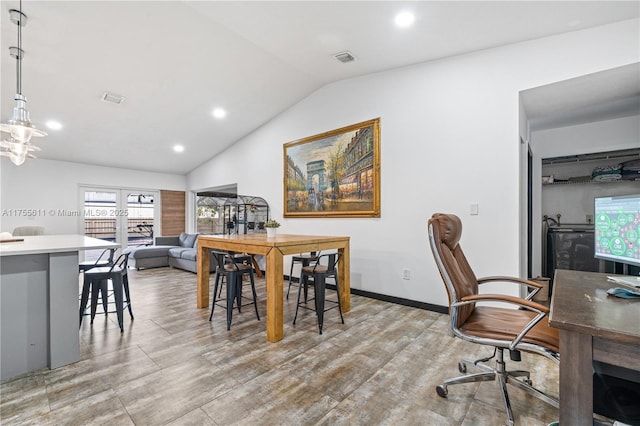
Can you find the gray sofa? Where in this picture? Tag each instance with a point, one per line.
(178, 251)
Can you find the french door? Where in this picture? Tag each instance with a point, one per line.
(122, 215)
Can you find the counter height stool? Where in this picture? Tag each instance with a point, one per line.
(97, 279)
(304, 260)
(100, 261)
(319, 273)
(232, 271)
(223, 257)
(90, 264)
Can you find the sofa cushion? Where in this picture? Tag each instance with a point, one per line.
(167, 241)
(177, 251)
(187, 240)
(145, 252)
(189, 255)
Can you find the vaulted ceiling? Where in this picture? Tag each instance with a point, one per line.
(174, 62)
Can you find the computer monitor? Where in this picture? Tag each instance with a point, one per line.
(617, 229)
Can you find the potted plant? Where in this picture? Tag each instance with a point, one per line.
(271, 225)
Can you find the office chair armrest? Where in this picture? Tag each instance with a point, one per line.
(524, 303)
(541, 310)
(516, 280)
(532, 286)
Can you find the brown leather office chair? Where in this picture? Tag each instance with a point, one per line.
(524, 329)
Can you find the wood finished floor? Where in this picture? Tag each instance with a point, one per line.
(171, 366)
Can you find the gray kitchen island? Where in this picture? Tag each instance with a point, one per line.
(39, 301)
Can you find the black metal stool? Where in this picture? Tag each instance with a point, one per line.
(90, 264)
(233, 271)
(319, 273)
(99, 262)
(97, 279)
(223, 257)
(305, 260)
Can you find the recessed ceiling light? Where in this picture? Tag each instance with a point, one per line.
(178, 148)
(54, 125)
(219, 113)
(404, 19)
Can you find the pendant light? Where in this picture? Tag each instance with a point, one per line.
(18, 148)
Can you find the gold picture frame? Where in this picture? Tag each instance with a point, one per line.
(334, 174)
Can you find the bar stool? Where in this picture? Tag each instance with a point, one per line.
(305, 260)
(223, 257)
(89, 264)
(99, 262)
(96, 279)
(232, 271)
(319, 273)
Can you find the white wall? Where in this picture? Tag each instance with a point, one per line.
(47, 185)
(449, 137)
(605, 135)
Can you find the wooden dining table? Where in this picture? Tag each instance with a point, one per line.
(274, 249)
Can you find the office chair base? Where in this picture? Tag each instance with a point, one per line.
(519, 378)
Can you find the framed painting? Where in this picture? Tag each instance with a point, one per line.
(334, 174)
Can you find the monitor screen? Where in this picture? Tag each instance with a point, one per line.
(617, 229)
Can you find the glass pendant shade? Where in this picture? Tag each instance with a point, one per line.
(17, 159)
(17, 151)
(20, 125)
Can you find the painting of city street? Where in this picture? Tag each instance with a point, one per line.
(334, 174)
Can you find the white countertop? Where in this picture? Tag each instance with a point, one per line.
(38, 244)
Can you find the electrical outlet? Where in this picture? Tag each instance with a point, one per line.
(406, 274)
(589, 218)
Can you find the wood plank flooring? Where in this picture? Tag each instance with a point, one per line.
(171, 366)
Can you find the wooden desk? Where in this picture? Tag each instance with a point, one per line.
(593, 327)
(274, 249)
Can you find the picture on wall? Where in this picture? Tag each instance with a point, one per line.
(334, 174)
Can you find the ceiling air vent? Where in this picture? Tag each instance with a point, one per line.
(110, 97)
(345, 57)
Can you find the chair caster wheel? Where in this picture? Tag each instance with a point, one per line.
(462, 367)
(527, 381)
(442, 391)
